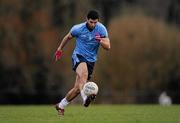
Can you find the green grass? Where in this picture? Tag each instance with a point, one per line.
(93, 114)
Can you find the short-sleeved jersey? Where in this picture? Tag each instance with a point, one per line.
(86, 44)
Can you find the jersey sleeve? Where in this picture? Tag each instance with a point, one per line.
(103, 32)
(74, 31)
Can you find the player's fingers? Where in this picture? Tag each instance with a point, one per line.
(97, 37)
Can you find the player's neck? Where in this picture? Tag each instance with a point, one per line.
(90, 29)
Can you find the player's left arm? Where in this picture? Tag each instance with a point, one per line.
(103, 38)
(105, 43)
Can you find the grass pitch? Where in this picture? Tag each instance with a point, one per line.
(92, 114)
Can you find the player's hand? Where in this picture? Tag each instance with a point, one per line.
(98, 37)
(58, 55)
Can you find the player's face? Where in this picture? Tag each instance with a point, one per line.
(92, 23)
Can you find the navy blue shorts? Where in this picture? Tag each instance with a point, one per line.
(90, 65)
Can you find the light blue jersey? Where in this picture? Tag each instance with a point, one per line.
(86, 44)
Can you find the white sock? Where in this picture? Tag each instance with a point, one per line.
(83, 95)
(63, 103)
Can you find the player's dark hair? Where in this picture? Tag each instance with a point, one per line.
(92, 14)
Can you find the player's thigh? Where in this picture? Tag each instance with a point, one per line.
(82, 70)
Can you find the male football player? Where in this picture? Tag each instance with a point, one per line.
(89, 36)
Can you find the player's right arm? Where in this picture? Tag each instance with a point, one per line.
(64, 41)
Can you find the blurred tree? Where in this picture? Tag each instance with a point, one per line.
(143, 61)
(143, 55)
(108, 8)
(174, 12)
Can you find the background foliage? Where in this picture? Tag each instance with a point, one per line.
(143, 62)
